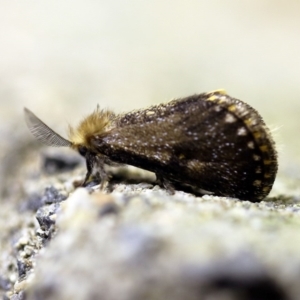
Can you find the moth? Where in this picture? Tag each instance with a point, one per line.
(210, 141)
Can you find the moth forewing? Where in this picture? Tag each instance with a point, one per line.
(209, 141)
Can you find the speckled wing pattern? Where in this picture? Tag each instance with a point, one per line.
(209, 141)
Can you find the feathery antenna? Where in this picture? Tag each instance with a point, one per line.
(42, 132)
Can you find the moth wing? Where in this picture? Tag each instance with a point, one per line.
(203, 144)
(198, 134)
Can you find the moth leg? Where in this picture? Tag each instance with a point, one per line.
(96, 172)
(91, 179)
(165, 183)
(88, 180)
(103, 176)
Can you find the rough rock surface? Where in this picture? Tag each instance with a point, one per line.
(136, 241)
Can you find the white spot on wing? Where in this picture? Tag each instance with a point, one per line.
(229, 118)
(250, 145)
(242, 131)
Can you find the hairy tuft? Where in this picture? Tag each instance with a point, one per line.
(95, 124)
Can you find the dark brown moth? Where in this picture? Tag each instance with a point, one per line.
(209, 141)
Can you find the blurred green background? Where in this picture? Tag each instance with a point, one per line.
(61, 58)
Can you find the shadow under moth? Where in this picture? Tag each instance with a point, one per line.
(210, 142)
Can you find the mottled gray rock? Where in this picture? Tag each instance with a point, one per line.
(155, 246)
(57, 162)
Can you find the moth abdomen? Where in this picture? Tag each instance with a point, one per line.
(209, 141)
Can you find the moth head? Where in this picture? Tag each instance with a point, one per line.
(80, 137)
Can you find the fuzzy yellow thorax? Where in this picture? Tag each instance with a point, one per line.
(95, 124)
